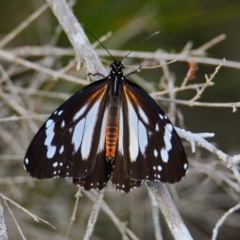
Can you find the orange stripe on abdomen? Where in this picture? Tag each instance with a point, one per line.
(112, 133)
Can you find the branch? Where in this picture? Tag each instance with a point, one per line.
(155, 216)
(208, 83)
(83, 49)
(122, 228)
(199, 138)
(93, 217)
(3, 229)
(57, 51)
(171, 56)
(73, 217)
(169, 211)
(36, 218)
(55, 74)
(233, 105)
(22, 26)
(222, 219)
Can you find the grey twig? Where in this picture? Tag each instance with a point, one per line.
(93, 217)
(83, 49)
(3, 229)
(169, 211)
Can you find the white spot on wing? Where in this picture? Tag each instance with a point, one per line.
(26, 161)
(133, 132)
(49, 122)
(80, 113)
(63, 124)
(155, 153)
(157, 127)
(78, 134)
(103, 131)
(90, 123)
(164, 155)
(168, 144)
(51, 150)
(60, 112)
(120, 141)
(168, 136)
(55, 164)
(142, 137)
(143, 115)
(61, 149)
(185, 166)
(169, 127)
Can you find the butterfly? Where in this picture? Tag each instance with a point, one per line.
(110, 129)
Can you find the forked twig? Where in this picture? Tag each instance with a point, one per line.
(73, 217)
(222, 219)
(35, 217)
(199, 138)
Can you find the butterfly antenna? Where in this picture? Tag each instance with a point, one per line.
(98, 42)
(139, 45)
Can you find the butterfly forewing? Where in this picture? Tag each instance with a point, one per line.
(152, 149)
(68, 143)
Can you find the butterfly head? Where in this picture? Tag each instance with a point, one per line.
(116, 69)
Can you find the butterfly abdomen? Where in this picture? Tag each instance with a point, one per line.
(112, 133)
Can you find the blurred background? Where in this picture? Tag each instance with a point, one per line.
(204, 195)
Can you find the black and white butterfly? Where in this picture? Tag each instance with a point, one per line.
(109, 129)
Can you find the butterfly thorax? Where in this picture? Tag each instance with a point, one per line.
(116, 77)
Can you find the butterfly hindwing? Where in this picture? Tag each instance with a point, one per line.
(99, 176)
(68, 143)
(120, 179)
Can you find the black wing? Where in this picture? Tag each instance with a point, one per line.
(72, 140)
(149, 147)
